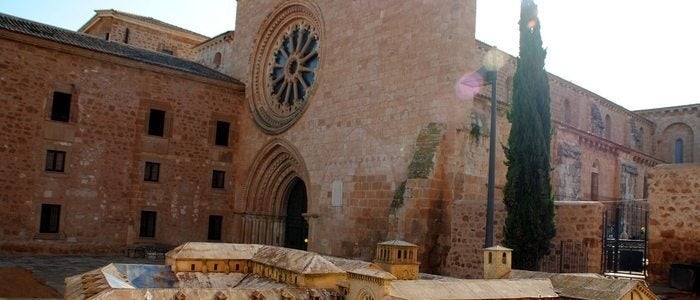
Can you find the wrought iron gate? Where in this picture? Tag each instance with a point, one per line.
(625, 238)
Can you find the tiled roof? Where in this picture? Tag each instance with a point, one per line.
(472, 289)
(298, 261)
(64, 36)
(397, 243)
(586, 287)
(294, 260)
(195, 250)
(150, 20)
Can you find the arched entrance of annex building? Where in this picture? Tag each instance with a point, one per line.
(276, 199)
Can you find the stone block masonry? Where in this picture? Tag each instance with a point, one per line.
(674, 222)
(93, 202)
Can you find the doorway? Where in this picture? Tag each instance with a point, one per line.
(296, 231)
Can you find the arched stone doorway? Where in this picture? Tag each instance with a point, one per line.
(276, 200)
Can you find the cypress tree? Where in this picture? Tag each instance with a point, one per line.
(529, 225)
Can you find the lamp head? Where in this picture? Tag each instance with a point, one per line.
(494, 59)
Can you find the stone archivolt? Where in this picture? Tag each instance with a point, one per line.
(285, 65)
(273, 173)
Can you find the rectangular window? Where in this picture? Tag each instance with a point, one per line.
(217, 179)
(156, 122)
(50, 218)
(148, 224)
(126, 36)
(151, 172)
(214, 233)
(55, 160)
(222, 129)
(167, 51)
(60, 107)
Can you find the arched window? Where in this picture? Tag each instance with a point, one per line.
(608, 126)
(641, 139)
(567, 112)
(217, 60)
(678, 156)
(594, 181)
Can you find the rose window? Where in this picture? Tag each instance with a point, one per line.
(294, 67)
(285, 65)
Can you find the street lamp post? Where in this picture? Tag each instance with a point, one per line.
(492, 77)
(493, 60)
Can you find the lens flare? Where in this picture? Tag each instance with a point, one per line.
(468, 85)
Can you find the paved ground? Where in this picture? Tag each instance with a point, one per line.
(54, 269)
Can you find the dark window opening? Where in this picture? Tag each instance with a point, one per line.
(50, 218)
(296, 230)
(216, 267)
(218, 179)
(678, 153)
(126, 36)
(107, 36)
(222, 129)
(60, 108)
(217, 60)
(238, 267)
(167, 51)
(192, 267)
(215, 223)
(151, 171)
(148, 224)
(55, 160)
(156, 122)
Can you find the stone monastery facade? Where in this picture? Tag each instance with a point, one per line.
(319, 125)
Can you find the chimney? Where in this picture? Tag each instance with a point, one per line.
(497, 262)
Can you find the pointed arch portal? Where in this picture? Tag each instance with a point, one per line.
(276, 200)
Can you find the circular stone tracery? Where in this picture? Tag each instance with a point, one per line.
(285, 67)
(294, 67)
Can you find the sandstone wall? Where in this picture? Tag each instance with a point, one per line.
(216, 53)
(674, 223)
(673, 123)
(382, 78)
(583, 143)
(581, 221)
(146, 37)
(576, 221)
(101, 191)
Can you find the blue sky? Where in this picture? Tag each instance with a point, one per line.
(637, 53)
